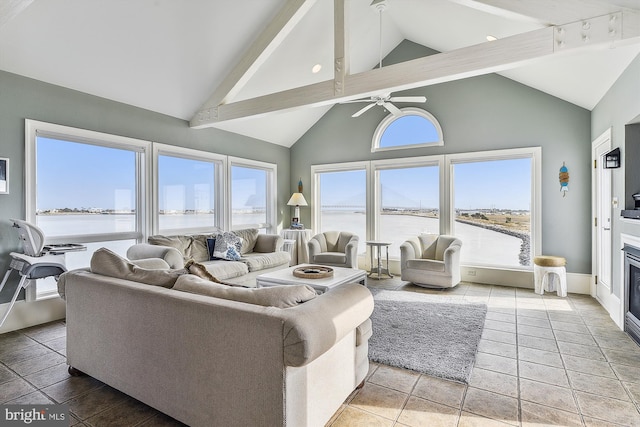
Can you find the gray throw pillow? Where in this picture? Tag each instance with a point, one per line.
(278, 296)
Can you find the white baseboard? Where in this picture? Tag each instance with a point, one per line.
(614, 307)
(26, 314)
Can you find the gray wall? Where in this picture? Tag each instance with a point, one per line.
(619, 107)
(22, 98)
(477, 114)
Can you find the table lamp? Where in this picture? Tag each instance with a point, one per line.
(297, 200)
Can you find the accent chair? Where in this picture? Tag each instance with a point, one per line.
(334, 248)
(431, 260)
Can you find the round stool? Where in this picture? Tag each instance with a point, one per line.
(549, 274)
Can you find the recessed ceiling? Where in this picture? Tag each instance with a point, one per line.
(169, 56)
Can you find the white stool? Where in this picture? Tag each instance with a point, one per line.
(549, 274)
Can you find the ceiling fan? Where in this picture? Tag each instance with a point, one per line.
(384, 100)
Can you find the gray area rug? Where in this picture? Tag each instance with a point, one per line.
(430, 334)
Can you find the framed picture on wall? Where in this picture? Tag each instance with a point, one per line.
(4, 175)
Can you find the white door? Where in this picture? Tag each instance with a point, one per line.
(602, 211)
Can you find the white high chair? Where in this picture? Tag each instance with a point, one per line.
(37, 261)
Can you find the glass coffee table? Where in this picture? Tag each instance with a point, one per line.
(285, 276)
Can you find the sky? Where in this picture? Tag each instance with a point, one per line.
(90, 176)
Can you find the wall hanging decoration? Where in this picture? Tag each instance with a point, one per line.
(612, 159)
(4, 176)
(300, 186)
(564, 179)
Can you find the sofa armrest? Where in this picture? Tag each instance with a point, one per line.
(312, 328)
(407, 252)
(266, 243)
(451, 256)
(172, 256)
(351, 251)
(314, 248)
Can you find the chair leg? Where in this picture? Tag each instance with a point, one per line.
(15, 296)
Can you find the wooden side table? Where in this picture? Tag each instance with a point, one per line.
(380, 269)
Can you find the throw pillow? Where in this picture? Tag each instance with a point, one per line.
(108, 263)
(228, 246)
(277, 296)
(249, 237)
(211, 245)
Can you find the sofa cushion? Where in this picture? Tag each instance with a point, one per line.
(260, 261)
(228, 246)
(191, 247)
(426, 264)
(249, 237)
(223, 270)
(330, 257)
(108, 263)
(277, 296)
(363, 332)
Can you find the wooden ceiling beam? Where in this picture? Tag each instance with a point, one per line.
(10, 8)
(490, 57)
(270, 38)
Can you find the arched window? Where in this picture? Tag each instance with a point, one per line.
(414, 128)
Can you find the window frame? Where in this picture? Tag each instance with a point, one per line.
(407, 111)
(220, 176)
(271, 194)
(142, 150)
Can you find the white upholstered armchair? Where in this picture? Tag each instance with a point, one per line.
(335, 248)
(431, 260)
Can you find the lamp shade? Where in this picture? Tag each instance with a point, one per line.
(297, 199)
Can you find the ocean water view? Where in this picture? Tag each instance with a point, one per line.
(480, 245)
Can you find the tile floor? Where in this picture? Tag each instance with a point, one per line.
(542, 360)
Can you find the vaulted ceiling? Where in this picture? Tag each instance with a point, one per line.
(245, 65)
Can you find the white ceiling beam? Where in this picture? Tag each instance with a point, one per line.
(549, 12)
(490, 57)
(270, 38)
(10, 8)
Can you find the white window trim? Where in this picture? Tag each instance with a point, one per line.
(34, 128)
(271, 193)
(192, 154)
(407, 111)
(445, 163)
(535, 154)
(316, 170)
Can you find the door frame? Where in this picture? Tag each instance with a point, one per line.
(603, 139)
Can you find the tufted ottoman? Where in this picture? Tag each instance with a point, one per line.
(549, 274)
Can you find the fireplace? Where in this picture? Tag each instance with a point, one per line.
(632, 291)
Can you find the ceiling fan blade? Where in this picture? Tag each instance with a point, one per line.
(392, 108)
(408, 99)
(362, 110)
(357, 100)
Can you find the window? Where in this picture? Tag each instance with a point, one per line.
(342, 202)
(414, 128)
(189, 185)
(491, 200)
(494, 208)
(253, 200)
(409, 202)
(84, 187)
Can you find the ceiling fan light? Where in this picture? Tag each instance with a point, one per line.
(491, 38)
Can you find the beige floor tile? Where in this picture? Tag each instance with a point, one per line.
(498, 348)
(622, 357)
(420, 412)
(569, 327)
(15, 388)
(534, 321)
(35, 398)
(543, 373)
(604, 386)
(588, 366)
(398, 379)
(46, 332)
(534, 415)
(536, 313)
(627, 373)
(575, 338)
(491, 405)
(499, 336)
(353, 417)
(497, 363)
(586, 351)
(49, 376)
(438, 390)
(500, 326)
(494, 381)
(549, 358)
(501, 317)
(617, 342)
(607, 409)
(468, 419)
(593, 422)
(6, 374)
(563, 316)
(538, 343)
(380, 401)
(535, 331)
(37, 363)
(19, 354)
(547, 395)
